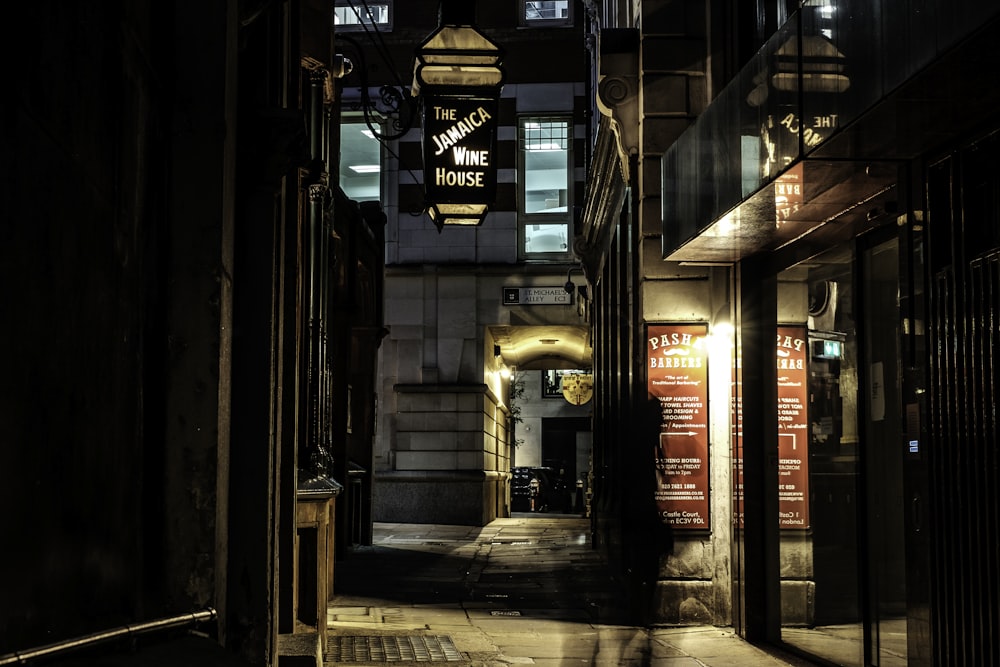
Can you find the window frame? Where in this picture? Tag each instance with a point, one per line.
(564, 218)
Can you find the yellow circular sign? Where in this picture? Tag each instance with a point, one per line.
(578, 389)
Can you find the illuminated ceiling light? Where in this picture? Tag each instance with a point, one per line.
(725, 226)
(365, 168)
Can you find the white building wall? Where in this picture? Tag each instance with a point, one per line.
(442, 441)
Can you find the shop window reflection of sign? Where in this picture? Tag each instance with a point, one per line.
(793, 428)
(787, 194)
(813, 132)
(810, 130)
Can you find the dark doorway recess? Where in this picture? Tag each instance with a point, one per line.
(559, 453)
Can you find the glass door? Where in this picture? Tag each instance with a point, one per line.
(884, 452)
(840, 462)
(817, 355)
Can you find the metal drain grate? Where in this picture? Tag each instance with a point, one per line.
(389, 648)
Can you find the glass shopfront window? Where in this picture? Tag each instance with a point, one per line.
(820, 584)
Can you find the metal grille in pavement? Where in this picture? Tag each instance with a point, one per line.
(389, 648)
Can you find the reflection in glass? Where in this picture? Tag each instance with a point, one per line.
(546, 238)
(820, 587)
(829, 608)
(884, 456)
(546, 10)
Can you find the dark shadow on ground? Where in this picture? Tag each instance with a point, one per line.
(530, 576)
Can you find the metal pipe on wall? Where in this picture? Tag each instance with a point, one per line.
(105, 636)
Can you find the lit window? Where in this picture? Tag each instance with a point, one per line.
(546, 12)
(360, 161)
(545, 155)
(351, 15)
(544, 180)
(552, 381)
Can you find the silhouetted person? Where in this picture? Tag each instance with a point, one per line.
(646, 531)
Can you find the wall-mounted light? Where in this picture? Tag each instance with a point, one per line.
(570, 286)
(340, 66)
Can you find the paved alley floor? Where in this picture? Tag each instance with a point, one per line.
(527, 590)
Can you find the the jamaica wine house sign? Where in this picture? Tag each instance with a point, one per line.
(459, 145)
(457, 74)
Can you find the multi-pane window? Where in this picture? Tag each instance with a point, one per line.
(360, 161)
(362, 14)
(546, 12)
(545, 180)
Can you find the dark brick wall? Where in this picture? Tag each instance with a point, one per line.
(80, 270)
(111, 271)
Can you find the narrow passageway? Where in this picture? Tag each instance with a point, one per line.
(518, 564)
(522, 590)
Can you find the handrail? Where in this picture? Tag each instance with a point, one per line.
(48, 650)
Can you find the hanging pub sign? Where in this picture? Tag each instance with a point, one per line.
(458, 76)
(459, 146)
(677, 377)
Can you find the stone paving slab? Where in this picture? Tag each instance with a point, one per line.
(518, 592)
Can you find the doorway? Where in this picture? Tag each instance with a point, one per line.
(843, 570)
(566, 452)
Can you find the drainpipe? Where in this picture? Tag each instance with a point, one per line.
(106, 636)
(316, 463)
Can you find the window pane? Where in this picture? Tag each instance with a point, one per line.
(349, 16)
(546, 10)
(360, 162)
(545, 146)
(546, 238)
